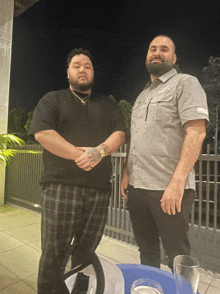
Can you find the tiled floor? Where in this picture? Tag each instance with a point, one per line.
(20, 252)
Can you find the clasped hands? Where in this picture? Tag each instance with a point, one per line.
(89, 159)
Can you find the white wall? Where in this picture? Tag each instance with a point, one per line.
(6, 25)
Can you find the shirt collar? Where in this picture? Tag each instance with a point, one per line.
(162, 78)
(168, 75)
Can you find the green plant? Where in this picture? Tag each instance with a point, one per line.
(6, 142)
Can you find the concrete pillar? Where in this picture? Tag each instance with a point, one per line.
(6, 26)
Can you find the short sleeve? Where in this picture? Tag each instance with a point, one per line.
(45, 114)
(192, 101)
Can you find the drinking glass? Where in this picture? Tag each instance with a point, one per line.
(146, 286)
(186, 272)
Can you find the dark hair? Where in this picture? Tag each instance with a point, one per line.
(78, 51)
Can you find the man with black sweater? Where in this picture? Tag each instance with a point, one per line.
(79, 131)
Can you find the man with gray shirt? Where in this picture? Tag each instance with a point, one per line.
(168, 126)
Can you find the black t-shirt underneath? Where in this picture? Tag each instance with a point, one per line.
(81, 125)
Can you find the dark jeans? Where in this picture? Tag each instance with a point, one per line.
(149, 222)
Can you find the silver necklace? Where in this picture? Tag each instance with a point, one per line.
(83, 100)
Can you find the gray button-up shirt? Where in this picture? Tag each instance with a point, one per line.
(157, 132)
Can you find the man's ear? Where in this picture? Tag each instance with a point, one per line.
(174, 58)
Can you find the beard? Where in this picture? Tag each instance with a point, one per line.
(82, 87)
(158, 69)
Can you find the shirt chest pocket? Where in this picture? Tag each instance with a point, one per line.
(139, 111)
(161, 108)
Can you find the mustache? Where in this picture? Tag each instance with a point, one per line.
(157, 58)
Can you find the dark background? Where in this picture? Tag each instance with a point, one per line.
(117, 33)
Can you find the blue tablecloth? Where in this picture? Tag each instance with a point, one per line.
(132, 272)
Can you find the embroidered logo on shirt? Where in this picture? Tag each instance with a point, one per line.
(164, 89)
(202, 110)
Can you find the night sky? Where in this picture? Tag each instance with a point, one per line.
(117, 33)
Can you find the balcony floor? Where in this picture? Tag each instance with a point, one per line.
(20, 253)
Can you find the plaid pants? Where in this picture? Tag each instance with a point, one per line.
(69, 212)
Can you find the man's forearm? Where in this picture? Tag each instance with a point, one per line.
(113, 142)
(57, 145)
(93, 155)
(173, 194)
(189, 154)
